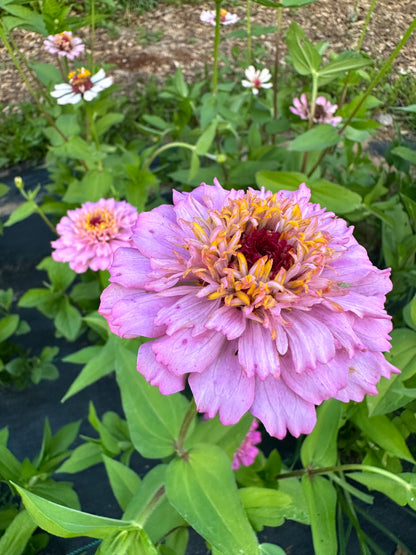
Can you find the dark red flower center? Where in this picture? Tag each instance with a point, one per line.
(96, 220)
(262, 242)
(81, 83)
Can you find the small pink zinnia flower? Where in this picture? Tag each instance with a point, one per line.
(324, 110)
(226, 18)
(265, 303)
(247, 452)
(89, 235)
(257, 79)
(81, 86)
(64, 44)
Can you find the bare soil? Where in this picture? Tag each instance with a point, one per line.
(155, 43)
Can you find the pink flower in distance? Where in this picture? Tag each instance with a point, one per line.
(226, 18)
(247, 452)
(64, 44)
(324, 110)
(265, 303)
(89, 235)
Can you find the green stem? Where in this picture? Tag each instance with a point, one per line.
(19, 184)
(187, 421)
(345, 468)
(248, 27)
(92, 34)
(216, 45)
(366, 22)
(277, 40)
(311, 116)
(387, 65)
(150, 507)
(166, 147)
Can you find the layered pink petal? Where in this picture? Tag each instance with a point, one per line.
(227, 320)
(130, 268)
(257, 352)
(156, 374)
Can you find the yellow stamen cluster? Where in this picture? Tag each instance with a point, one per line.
(99, 220)
(224, 272)
(80, 74)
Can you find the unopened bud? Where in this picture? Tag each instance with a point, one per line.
(18, 181)
(221, 158)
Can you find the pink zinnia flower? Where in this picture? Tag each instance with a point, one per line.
(89, 235)
(226, 18)
(247, 452)
(257, 79)
(64, 44)
(265, 302)
(82, 85)
(324, 110)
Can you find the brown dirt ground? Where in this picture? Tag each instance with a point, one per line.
(167, 37)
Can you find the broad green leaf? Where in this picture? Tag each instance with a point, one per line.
(229, 438)
(10, 467)
(319, 137)
(321, 498)
(205, 140)
(82, 457)
(154, 419)
(270, 549)
(100, 363)
(68, 320)
(163, 516)
(334, 197)
(405, 153)
(24, 17)
(278, 181)
(123, 480)
(305, 57)
(399, 487)
(264, 506)
(35, 297)
(17, 534)
(68, 523)
(21, 213)
(202, 488)
(391, 394)
(94, 186)
(127, 542)
(8, 325)
(347, 61)
(107, 121)
(381, 430)
(60, 275)
(320, 447)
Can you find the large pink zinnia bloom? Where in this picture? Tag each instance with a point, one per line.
(265, 302)
(89, 235)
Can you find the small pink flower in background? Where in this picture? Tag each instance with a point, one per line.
(89, 235)
(257, 79)
(64, 44)
(81, 86)
(264, 302)
(324, 110)
(247, 452)
(226, 18)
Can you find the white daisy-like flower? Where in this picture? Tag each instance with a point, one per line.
(257, 79)
(81, 86)
(226, 18)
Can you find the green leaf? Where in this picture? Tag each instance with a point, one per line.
(278, 181)
(107, 121)
(8, 325)
(202, 488)
(35, 297)
(123, 480)
(68, 320)
(94, 186)
(320, 448)
(205, 140)
(389, 486)
(405, 153)
(68, 523)
(84, 456)
(347, 61)
(10, 467)
(305, 57)
(321, 499)
(24, 17)
(17, 534)
(334, 197)
(264, 506)
(319, 137)
(60, 275)
(21, 213)
(154, 419)
(101, 361)
(127, 542)
(391, 392)
(381, 430)
(269, 548)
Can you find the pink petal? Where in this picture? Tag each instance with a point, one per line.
(182, 353)
(156, 374)
(374, 333)
(130, 268)
(227, 320)
(364, 372)
(187, 312)
(280, 409)
(223, 387)
(153, 232)
(257, 352)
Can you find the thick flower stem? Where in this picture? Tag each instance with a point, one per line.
(187, 421)
(147, 510)
(386, 67)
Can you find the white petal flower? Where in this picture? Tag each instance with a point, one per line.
(257, 79)
(226, 18)
(81, 86)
